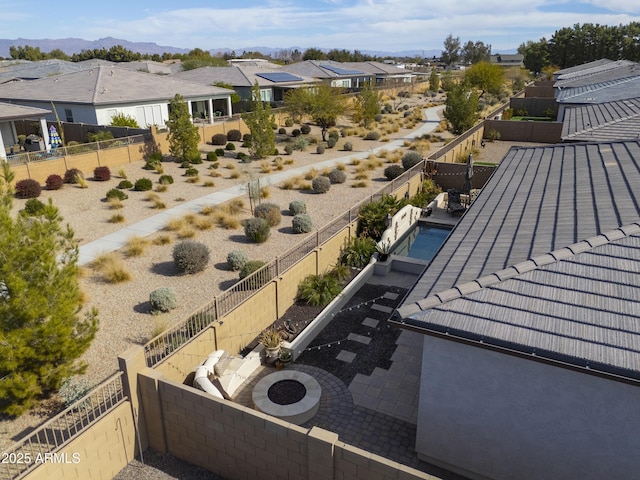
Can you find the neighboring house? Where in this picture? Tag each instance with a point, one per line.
(596, 66)
(9, 114)
(603, 73)
(95, 95)
(531, 320)
(148, 66)
(335, 74)
(384, 73)
(34, 70)
(606, 121)
(273, 82)
(507, 59)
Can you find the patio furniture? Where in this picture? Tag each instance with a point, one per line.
(454, 205)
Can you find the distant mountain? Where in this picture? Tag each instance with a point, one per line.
(76, 45)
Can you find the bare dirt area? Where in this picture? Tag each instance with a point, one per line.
(124, 309)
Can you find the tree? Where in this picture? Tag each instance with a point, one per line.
(42, 333)
(475, 52)
(183, 134)
(535, 55)
(314, 54)
(366, 105)
(26, 53)
(235, 98)
(461, 108)
(124, 120)
(485, 76)
(451, 52)
(260, 121)
(434, 80)
(296, 102)
(326, 104)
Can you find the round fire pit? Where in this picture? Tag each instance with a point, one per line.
(288, 395)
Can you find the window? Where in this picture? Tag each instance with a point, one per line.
(69, 114)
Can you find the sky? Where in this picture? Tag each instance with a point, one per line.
(378, 25)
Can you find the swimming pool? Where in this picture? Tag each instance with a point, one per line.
(422, 241)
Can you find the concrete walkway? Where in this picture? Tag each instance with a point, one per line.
(150, 225)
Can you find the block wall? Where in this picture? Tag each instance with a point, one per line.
(184, 361)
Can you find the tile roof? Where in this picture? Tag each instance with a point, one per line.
(238, 76)
(602, 121)
(612, 71)
(609, 91)
(584, 66)
(324, 69)
(546, 261)
(106, 85)
(9, 111)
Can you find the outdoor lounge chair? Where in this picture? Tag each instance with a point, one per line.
(453, 202)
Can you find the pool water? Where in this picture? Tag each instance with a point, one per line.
(422, 241)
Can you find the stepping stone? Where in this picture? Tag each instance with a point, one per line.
(370, 322)
(359, 338)
(390, 296)
(345, 356)
(381, 308)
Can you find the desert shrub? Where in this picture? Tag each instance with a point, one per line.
(27, 188)
(230, 146)
(357, 251)
(347, 147)
(155, 156)
(219, 152)
(331, 142)
(334, 134)
(166, 179)
(73, 389)
(257, 229)
(320, 149)
(115, 193)
(282, 131)
(246, 140)
(337, 176)
(372, 135)
(185, 164)
(410, 159)
(101, 174)
(72, 175)
(492, 135)
(305, 129)
(270, 212)
(234, 135)
(237, 259)
(297, 206)
(393, 171)
(302, 223)
(377, 117)
(243, 157)
(253, 266)
(295, 132)
(288, 149)
(212, 157)
(300, 144)
(191, 172)
(194, 157)
(143, 185)
(219, 139)
(288, 122)
(33, 207)
(163, 299)
(319, 290)
(321, 184)
(151, 164)
(190, 257)
(53, 182)
(124, 184)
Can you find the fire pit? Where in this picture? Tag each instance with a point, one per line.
(288, 395)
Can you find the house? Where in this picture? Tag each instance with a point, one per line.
(333, 73)
(9, 113)
(507, 59)
(95, 95)
(602, 121)
(531, 321)
(384, 73)
(586, 69)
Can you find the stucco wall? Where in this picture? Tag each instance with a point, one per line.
(506, 417)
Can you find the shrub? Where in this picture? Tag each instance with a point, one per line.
(393, 171)
(151, 164)
(125, 184)
(331, 142)
(115, 193)
(302, 223)
(165, 180)
(305, 129)
(337, 176)
(243, 157)
(300, 144)
(53, 182)
(185, 164)
(257, 229)
(297, 207)
(155, 156)
(253, 266)
(372, 135)
(190, 257)
(234, 135)
(282, 131)
(143, 185)
(33, 207)
(191, 172)
(163, 299)
(377, 117)
(247, 139)
(194, 158)
(73, 389)
(101, 174)
(295, 132)
(320, 149)
(72, 175)
(347, 147)
(27, 188)
(270, 212)
(237, 259)
(319, 290)
(357, 251)
(334, 134)
(230, 146)
(411, 159)
(219, 139)
(321, 184)
(219, 152)
(288, 149)
(212, 157)
(288, 122)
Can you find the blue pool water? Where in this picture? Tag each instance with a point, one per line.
(422, 241)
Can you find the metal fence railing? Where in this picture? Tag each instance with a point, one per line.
(166, 343)
(29, 453)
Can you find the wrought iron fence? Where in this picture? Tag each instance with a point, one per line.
(166, 343)
(38, 447)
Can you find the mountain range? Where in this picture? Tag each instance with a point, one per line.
(76, 45)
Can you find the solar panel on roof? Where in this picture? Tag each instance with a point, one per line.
(279, 77)
(342, 71)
